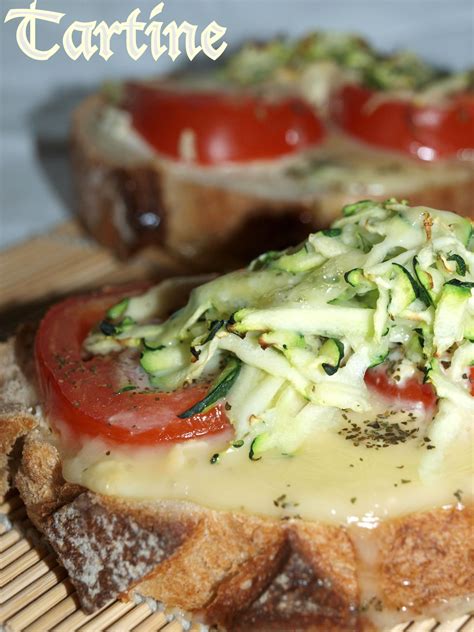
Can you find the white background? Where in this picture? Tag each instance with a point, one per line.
(37, 97)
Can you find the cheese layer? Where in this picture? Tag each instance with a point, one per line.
(328, 478)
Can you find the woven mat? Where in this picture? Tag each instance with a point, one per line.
(35, 594)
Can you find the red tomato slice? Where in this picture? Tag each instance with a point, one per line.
(225, 127)
(428, 132)
(411, 391)
(471, 380)
(81, 394)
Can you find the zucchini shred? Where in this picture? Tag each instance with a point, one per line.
(292, 336)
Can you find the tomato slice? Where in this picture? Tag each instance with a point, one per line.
(81, 396)
(411, 391)
(425, 131)
(224, 128)
(471, 379)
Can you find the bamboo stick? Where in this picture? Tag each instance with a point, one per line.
(154, 622)
(21, 564)
(28, 614)
(31, 592)
(107, 617)
(8, 539)
(29, 576)
(132, 619)
(77, 619)
(13, 552)
(57, 614)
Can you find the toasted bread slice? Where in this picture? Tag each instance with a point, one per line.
(128, 197)
(236, 570)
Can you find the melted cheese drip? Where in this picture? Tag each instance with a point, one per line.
(328, 479)
(372, 597)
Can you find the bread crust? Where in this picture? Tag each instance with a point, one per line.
(130, 205)
(239, 571)
(17, 401)
(444, 535)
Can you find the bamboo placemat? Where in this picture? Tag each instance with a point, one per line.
(35, 594)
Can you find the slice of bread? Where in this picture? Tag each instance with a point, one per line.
(235, 570)
(128, 197)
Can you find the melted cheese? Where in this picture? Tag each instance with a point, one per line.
(338, 166)
(328, 479)
(373, 599)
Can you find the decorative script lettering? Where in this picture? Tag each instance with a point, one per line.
(86, 39)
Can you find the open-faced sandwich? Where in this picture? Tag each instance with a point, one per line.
(288, 446)
(218, 166)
